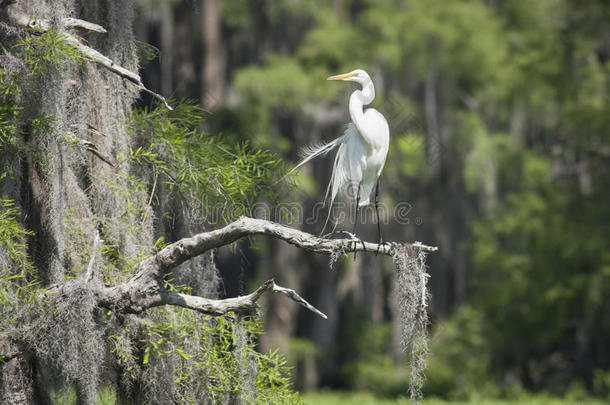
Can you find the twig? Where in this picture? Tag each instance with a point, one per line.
(91, 266)
(246, 303)
(87, 52)
(152, 193)
(68, 23)
(297, 298)
(90, 146)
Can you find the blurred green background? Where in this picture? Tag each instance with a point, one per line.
(500, 153)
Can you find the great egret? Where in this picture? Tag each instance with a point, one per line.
(363, 148)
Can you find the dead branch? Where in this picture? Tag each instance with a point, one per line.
(90, 146)
(68, 23)
(116, 300)
(187, 248)
(101, 59)
(38, 25)
(298, 299)
(146, 288)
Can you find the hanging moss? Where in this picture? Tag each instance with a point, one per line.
(412, 296)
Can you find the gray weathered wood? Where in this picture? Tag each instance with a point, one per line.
(145, 289)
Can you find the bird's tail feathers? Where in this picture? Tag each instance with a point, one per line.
(339, 177)
(313, 151)
(332, 190)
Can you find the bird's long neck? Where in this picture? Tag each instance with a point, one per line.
(359, 99)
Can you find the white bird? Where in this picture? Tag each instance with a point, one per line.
(363, 148)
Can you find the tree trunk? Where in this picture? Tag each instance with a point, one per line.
(167, 48)
(432, 120)
(64, 187)
(185, 71)
(212, 71)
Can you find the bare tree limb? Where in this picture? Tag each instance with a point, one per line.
(103, 60)
(245, 303)
(146, 288)
(26, 21)
(187, 248)
(156, 266)
(298, 299)
(68, 23)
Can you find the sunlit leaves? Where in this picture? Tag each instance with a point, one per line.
(202, 166)
(211, 358)
(18, 276)
(50, 48)
(9, 110)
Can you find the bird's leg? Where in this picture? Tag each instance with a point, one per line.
(356, 222)
(381, 242)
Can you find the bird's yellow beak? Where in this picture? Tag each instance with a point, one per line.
(343, 76)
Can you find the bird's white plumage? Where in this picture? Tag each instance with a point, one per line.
(363, 148)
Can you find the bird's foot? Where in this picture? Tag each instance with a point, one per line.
(353, 239)
(356, 240)
(380, 244)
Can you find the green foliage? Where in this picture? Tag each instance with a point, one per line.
(331, 45)
(13, 235)
(18, 277)
(409, 149)
(460, 360)
(106, 396)
(457, 37)
(373, 369)
(9, 110)
(284, 88)
(340, 398)
(522, 93)
(601, 383)
(212, 361)
(226, 179)
(39, 52)
(553, 265)
(48, 49)
(273, 379)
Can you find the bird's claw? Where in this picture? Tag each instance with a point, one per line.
(382, 243)
(353, 239)
(356, 240)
